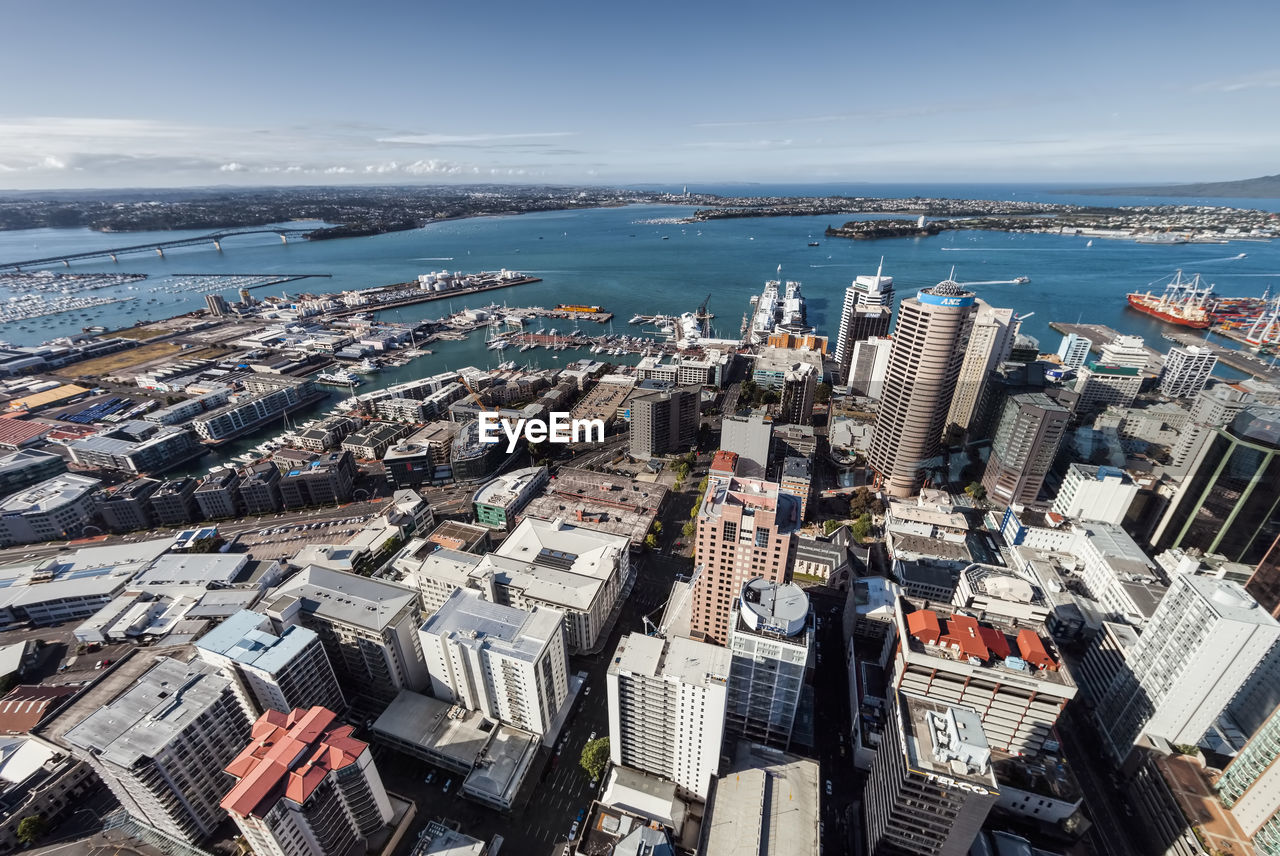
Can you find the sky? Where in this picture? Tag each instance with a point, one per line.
(151, 94)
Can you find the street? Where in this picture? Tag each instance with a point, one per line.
(833, 726)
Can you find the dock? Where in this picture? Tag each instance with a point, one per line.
(1241, 361)
(1101, 334)
(412, 294)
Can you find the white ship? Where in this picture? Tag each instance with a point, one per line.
(339, 377)
(367, 366)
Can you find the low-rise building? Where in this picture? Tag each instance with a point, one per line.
(373, 440)
(218, 496)
(55, 509)
(1095, 493)
(173, 503)
(497, 503)
(25, 467)
(325, 480)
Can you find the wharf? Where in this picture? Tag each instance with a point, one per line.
(1251, 365)
(424, 296)
(1101, 334)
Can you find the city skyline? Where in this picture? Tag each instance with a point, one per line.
(252, 95)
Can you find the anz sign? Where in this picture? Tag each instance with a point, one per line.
(945, 300)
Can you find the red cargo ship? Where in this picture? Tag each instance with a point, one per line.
(1181, 303)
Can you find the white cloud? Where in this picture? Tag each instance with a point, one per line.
(51, 162)
(1265, 79)
(339, 170)
(233, 167)
(455, 139)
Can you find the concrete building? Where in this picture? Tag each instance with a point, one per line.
(989, 344)
(1228, 504)
(1026, 441)
(260, 489)
(510, 664)
(497, 503)
(372, 441)
(136, 448)
(606, 501)
(1127, 351)
(866, 313)
(306, 787)
(796, 479)
(324, 480)
(748, 812)
(1205, 640)
(667, 702)
(42, 780)
(55, 509)
(932, 784)
(769, 642)
(161, 743)
(748, 436)
(1250, 787)
(173, 503)
(270, 670)
(924, 366)
(128, 507)
(1095, 493)
(1103, 384)
(1214, 407)
(1074, 350)
(745, 530)
(798, 388)
(1187, 369)
(664, 422)
(218, 496)
(268, 397)
(869, 366)
(369, 629)
(25, 467)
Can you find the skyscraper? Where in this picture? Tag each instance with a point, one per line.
(1127, 351)
(1186, 370)
(665, 421)
(667, 707)
(798, 388)
(1264, 585)
(1229, 503)
(1074, 350)
(745, 529)
(869, 366)
(989, 344)
(306, 787)
(924, 364)
(867, 311)
(1027, 440)
(1203, 643)
(770, 641)
(1248, 787)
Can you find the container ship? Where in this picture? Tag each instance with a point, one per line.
(1181, 303)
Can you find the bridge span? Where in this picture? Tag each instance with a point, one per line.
(214, 238)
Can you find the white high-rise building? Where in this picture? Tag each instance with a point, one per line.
(271, 671)
(306, 787)
(1202, 644)
(769, 641)
(1186, 370)
(866, 313)
(161, 746)
(667, 707)
(1127, 351)
(1095, 493)
(868, 366)
(1074, 350)
(989, 344)
(509, 664)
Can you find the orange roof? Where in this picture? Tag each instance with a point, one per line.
(963, 633)
(1033, 651)
(724, 462)
(289, 757)
(923, 624)
(996, 641)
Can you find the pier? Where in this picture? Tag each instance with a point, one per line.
(408, 293)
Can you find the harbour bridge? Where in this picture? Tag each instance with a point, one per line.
(214, 238)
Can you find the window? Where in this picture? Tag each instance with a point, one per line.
(730, 530)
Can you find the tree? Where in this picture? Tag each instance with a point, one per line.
(770, 396)
(829, 526)
(595, 757)
(33, 827)
(861, 528)
(657, 527)
(651, 541)
(689, 529)
(682, 470)
(822, 395)
(976, 491)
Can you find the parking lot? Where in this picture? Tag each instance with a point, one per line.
(282, 538)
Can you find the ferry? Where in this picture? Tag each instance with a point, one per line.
(340, 377)
(366, 366)
(1021, 280)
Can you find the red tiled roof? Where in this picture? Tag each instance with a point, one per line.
(923, 624)
(289, 757)
(1033, 651)
(724, 462)
(26, 705)
(18, 432)
(996, 641)
(963, 633)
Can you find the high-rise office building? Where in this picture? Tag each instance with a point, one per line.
(1186, 370)
(271, 671)
(866, 313)
(1088, 492)
(509, 664)
(1250, 783)
(1203, 643)
(306, 787)
(924, 364)
(989, 344)
(1103, 384)
(798, 389)
(1228, 503)
(748, 436)
(770, 640)
(1027, 440)
(162, 743)
(1214, 407)
(1264, 584)
(869, 366)
(664, 422)
(1074, 350)
(745, 529)
(667, 707)
(932, 784)
(1128, 351)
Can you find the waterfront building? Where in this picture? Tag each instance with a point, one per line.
(1097, 493)
(260, 489)
(326, 479)
(161, 743)
(25, 467)
(749, 436)
(1126, 351)
(868, 366)
(1187, 369)
(667, 702)
(664, 422)
(1102, 384)
(745, 529)
(924, 365)
(1228, 504)
(128, 507)
(1026, 442)
(1074, 350)
(136, 447)
(932, 783)
(508, 663)
(217, 304)
(989, 343)
(173, 503)
(218, 495)
(770, 640)
(372, 441)
(1205, 640)
(306, 787)
(271, 670)
(56, 509)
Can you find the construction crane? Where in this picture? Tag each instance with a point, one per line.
(703, 318)
(672, 610)
(479, 401)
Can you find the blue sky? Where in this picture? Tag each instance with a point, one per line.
(170, 94)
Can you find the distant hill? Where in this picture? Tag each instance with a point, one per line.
(1264, 187)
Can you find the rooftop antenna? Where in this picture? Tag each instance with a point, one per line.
(881, 268)
(952, 277)
(779, 271)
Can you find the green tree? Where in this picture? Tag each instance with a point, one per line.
(861, 528)
(33, 827)
(976, 490)
(770, 396)
(595, 757)
(651, 541)
(682, 471)
(689, 529)
(822, 395)
(829, 526)
(657, 527)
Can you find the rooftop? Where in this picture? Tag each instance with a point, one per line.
(677, 657)
(767, 607)
(515, 632)
(246, 637)
(348, 598)
(560, 545)
(506, 490)
(767, 804)
(753, 494)
(605, 503)
(435, 726)
(49, 494)
(945, 740)
(24, 706)
(193, 569)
